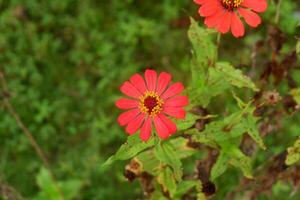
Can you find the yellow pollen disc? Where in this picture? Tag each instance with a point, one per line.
(230, 4)
(150, 103)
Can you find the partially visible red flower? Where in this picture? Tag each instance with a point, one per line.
(150, 102)
(224, 15)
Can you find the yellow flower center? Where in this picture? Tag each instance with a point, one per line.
(150, 103)
(230, 4)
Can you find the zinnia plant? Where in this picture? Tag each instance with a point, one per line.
(229, 115)
(224, 15)
(150, 103)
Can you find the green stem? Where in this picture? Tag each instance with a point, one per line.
(277, 16)
(218, 45)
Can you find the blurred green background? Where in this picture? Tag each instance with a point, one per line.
(64, 61)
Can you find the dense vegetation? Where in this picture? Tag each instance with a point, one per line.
(61, 65)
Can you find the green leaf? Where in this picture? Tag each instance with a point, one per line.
(167, 180)
(168, 155)
(241, 104)
(70, 188)
(298, 47)
(181, 147)
(230, 154)
(149, 162)
(218, 79)
(158, 193)
(240, 160)
(250, 126)
(296, 94)
(131, 148)
(249, 121)
(234, 76)
(214, 131)
(183, 187)
(232, 126)
(216, 82)
(293, 153)
(202, 137)
(203, 45)
(47, 186)
(220, 166)
(219, 131)
(189, 121)
(50, 191)
(204, 55)
(200, 194)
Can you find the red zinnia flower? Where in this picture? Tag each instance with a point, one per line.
(225, 14)
(150, 102)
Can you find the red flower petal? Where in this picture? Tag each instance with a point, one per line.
(250, 17)
(225, 23)
(151, 77)
(161, 129)
(138, 81)
(256, 5)
(223, 18)
(163, 81)
(173, 90)
(127, 116)
(177, 101)
(135, 119)
(209, 9)
(146, 130)
(127, 103)
(128, 89)
(200, 2)
(176, 112)
(237, 27)
(215, 19)
(135, 124)
(169, 124)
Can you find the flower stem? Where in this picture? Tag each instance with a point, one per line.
(277, 16)
(218, 45)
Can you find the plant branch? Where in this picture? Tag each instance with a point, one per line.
(8, 192)
(28, 134)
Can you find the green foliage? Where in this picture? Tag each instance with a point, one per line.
(149, 162)
(186, 123)
(180, 145)
(50, 191)
(239, 160)
(204, 49)
(219, 134)
(225, 135)
(234, 76)
(220, 166)
(167, 180)
(293, 153)
(296, 94)
(166, 154)
(152, 159)
(64, 62)
(183, 187)
(298, 47)
(131, 148)
(204, 55)
(209, 78)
